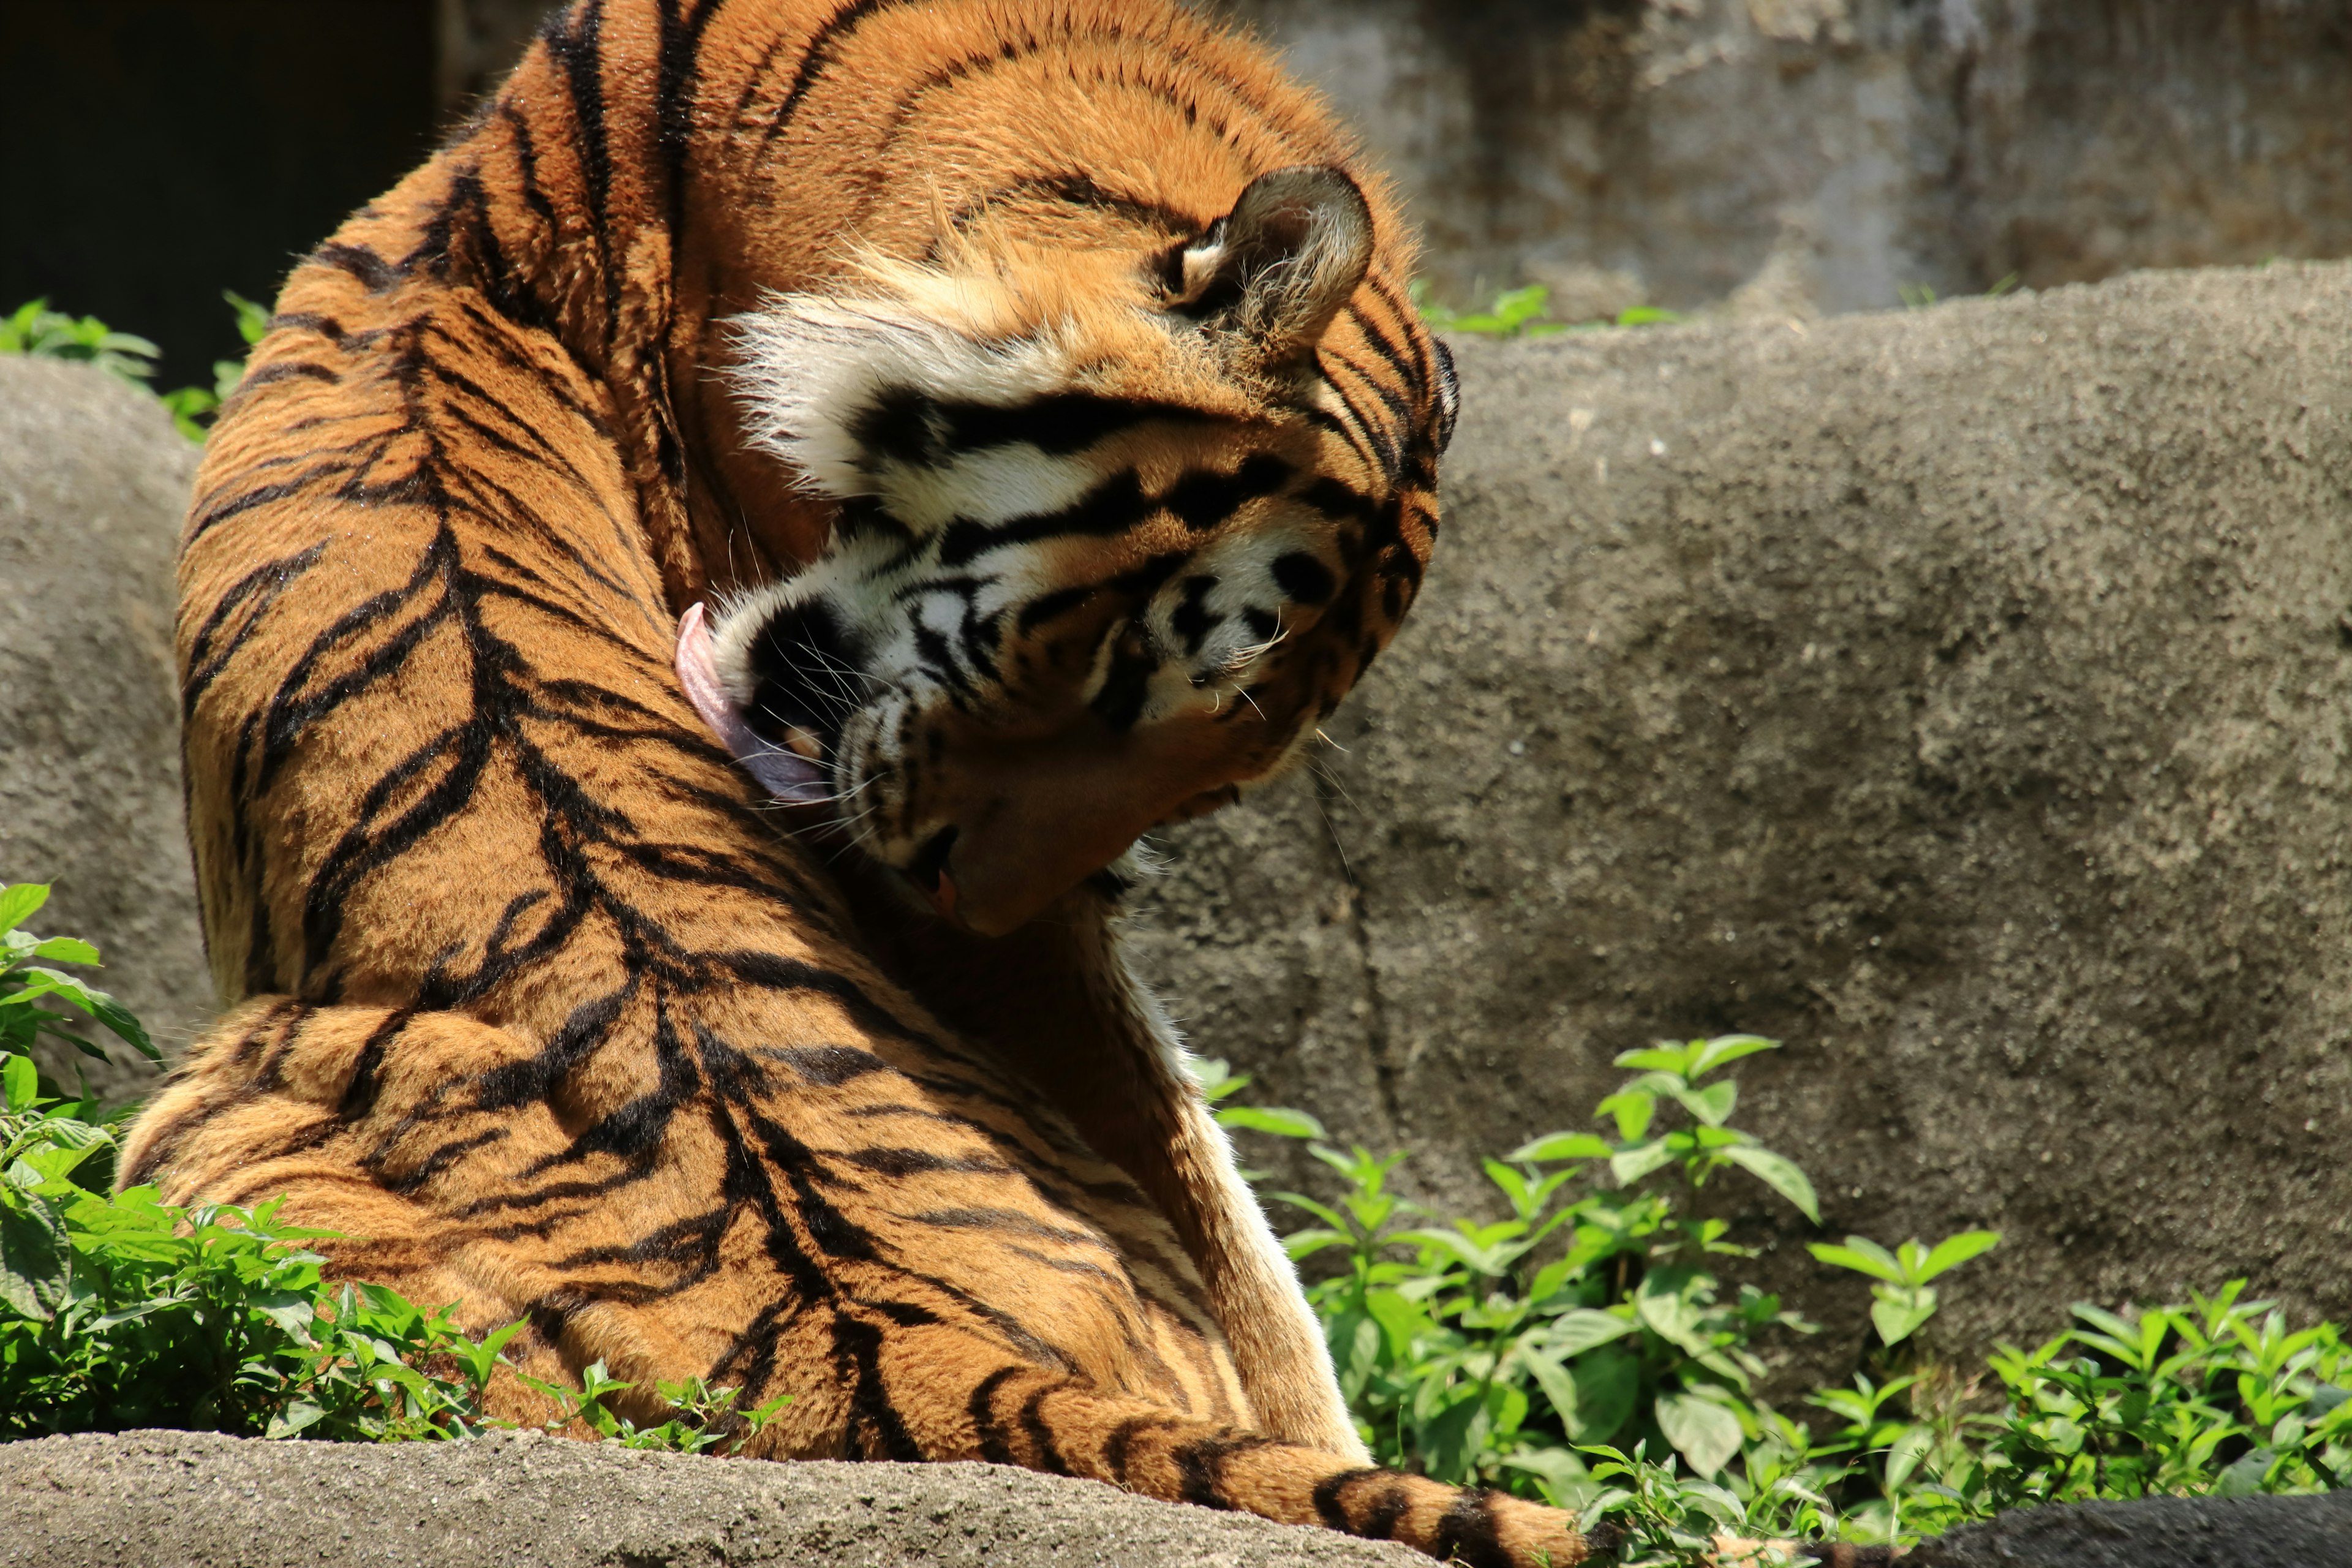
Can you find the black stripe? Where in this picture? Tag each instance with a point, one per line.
(1330, 1505)
(572, 38)
(823, 46)
(1388, 1510)
(1122, 1436)
(1078, 190)
(981, 1406)
(360, 262)
(1467, 1534)
(1045, 1455)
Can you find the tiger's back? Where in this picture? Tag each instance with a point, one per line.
(539, 1009)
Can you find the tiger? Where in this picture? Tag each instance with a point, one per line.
(693, 603)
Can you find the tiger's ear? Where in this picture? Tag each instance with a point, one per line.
(1272, 273)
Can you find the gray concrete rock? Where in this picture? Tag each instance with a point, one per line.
(181, 1500)
(1963, 697)
(1837, 152)
(2157, 1533)
(1960, 696)
(93, 482)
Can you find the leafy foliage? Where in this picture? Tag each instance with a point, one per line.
(37, 1000)
(1585, 1350)
(34, 329)
(1520, 313)
(192, 407)
(120, 1310)
(701, 1417)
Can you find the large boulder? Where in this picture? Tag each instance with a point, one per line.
(93, 482)
(1962, 697)
(197, 1500)
(192, 1499)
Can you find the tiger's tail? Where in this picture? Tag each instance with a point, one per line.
(1046, 1421)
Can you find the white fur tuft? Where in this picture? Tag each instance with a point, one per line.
(811, 367)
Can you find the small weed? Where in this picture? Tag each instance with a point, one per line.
(117, 1311)
(1586, 1350)
(701, 1417)
(34, 329)
(1520, 313)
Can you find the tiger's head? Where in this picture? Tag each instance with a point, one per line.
(1114, 531)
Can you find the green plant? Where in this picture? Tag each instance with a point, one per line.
(1488, 1351)
(1905, 1298)
(192, 407)
(32, 994)
(701, 1417)
(34, 329)
(1583, 1350)
(1520, 313)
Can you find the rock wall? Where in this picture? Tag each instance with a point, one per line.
(93, 481)
(1832, 152)
(197, 1500)
(1805, 154)
(1963, 697)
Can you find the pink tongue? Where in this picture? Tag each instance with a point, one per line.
(785, 775)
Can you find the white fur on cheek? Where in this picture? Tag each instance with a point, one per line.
(808, 368)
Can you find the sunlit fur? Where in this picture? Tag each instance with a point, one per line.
(538, 1002)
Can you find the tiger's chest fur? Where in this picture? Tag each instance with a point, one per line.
(1026, 392)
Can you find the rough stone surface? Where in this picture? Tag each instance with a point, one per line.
(1803, 155)
(2159, 1533)
(179, 1500)
(1961, 697)
(1837, 151)
(182, 1499)
(93, 482)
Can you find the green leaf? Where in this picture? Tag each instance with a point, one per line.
(298, 1416)
(1667, 1303)
(1904, 1455)
(1713, 1104)
(290, 1310)
(21, 1080)
(1559, 1475)
(1900, 1309)
(1955, 1250)
(1705, 1433)
(1608, 1381)
(1631, 1164)
(1861, 1255)
(1261, 1118)
(66, 950)
(1450, 1442)
(19, 902)
(1778, 1173)
(1573, 1333)
(2245, 1478)
(1633, 1109)
(1665, 1056)
(1724, 1050)
(1563, 1146)
(34, 1256)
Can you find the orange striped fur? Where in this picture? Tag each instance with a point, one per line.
(1019, 401)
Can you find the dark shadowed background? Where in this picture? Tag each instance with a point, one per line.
(1793, 156)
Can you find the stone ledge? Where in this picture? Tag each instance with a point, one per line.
(194, 1499)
